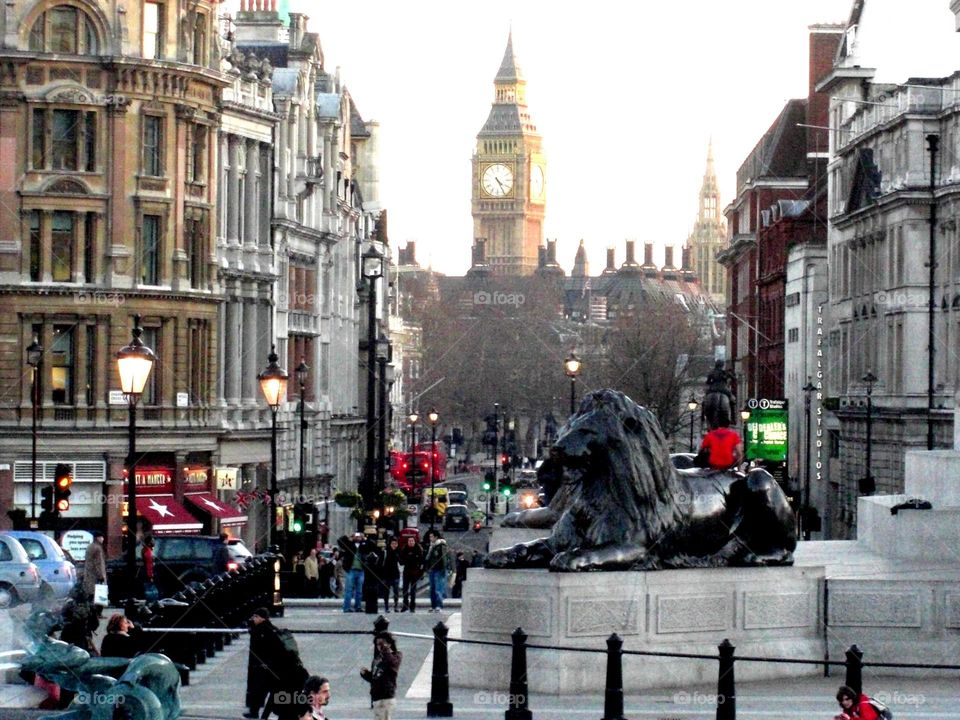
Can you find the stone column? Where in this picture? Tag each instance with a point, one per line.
(232, 191)
(266, 192)
(250, 201)
(252, 350)
(233, 351)
(328, 172)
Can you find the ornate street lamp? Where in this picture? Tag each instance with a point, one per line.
(867, 486)
(808, 390)
(273, 384)
(301, 372)
(372, 269)
(572, 367)
(384, 356)
(34, 360)
(433, 417)
(412, 418)
(134, 363)
(692, 406)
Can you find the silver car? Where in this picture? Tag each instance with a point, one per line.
(19, 578)
(57, 573)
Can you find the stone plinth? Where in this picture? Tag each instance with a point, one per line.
(932, 475)
(772, 612)
(909, 533)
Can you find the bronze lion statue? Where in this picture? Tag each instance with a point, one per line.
(617, 503)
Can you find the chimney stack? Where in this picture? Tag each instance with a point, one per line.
(542, 256)
(611, 261)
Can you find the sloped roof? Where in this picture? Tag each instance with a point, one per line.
(285, 81)
(781, 152)
(509, 68)
(358, 128)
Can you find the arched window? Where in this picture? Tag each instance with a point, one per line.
(64, 29)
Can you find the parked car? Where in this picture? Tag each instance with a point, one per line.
(19, 578)
(457, 517)
(58, 574)
(178, 560)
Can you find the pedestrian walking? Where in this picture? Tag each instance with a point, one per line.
(95, 566)
(437, 564)
(339, 573)
(316, 696)
(411, 557)
(383, 676)
(311, 574)
(275, 674)
(150, 592)
(221, 555)
(327, 568)
(390, 574)
(372, 578)
(353, 552)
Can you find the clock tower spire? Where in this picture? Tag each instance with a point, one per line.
(509, 176)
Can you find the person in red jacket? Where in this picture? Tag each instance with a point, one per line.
(853, 707)
(721, 449)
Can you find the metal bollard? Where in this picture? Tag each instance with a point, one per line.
(381, 625)
(440, 705)
(613, 695)
(726, 687)
(854, 679)
(518, 709)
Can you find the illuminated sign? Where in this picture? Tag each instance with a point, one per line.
(766, 430)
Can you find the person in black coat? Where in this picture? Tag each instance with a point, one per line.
(373, 585)
(273, 669)
(411, 557)
(390, 574)
(120, 640)
(460, 576)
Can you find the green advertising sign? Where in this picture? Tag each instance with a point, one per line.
(765, 431)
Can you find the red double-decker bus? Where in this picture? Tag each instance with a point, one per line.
(412, 472)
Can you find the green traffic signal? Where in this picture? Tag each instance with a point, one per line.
(486, 486)
(297, 526)
(506, 490)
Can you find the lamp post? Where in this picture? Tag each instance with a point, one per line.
(301, 373)
(868, 484)
(744, 416)
(808, 389)
(412, 476)
(273, 385)
(372, 264)
(34, 360)
(433, 418)
(572, 367)
(496, 455)
(384, 355)
(134, 363)
(692, 406)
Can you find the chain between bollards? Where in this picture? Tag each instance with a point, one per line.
(613, 695)
(518, 679)
(726, 687)
(440, 705)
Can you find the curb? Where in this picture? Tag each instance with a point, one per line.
(338, 602)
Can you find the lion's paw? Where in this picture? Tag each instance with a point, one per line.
(498, 559)
(570, 562)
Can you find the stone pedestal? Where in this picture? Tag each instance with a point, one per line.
(772, 612)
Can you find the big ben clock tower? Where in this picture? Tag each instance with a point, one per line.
(509, 177)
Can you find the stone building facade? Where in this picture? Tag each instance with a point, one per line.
(709, 235)
(108, 117)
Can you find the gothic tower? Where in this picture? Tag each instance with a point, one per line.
(509, 177)
(709, 235)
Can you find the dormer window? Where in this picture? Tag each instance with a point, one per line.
(64, 29)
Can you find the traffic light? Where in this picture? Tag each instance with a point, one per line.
(46, 502)
(506, 489)
(505, 462)
(63, 479)
(488, 481)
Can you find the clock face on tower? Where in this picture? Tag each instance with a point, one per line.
(536, 182)
(497, 180)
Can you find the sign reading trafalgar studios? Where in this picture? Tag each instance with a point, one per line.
(765, 432)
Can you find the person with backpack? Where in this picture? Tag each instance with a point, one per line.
(274, 669)
(860, 707)
(383, 676)
(721, 449)
(437, 564)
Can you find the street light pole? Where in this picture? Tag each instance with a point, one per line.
(134, 362)
(34, 360)
(301, 372)
(869, 379)
(805, 513)
(382, 360)
(496, 454)
(273, 385)
(372, 264)
(412, 472)
(572, 367)
(433, 417)
(692, 406)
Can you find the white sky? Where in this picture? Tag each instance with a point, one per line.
(626, 95)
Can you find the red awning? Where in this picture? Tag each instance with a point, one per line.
(223, 511)
(167, 515)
